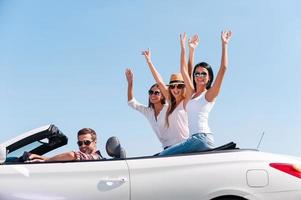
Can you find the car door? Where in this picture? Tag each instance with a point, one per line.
(105, 179)
(171, 177)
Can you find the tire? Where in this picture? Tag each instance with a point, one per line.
(229, 198)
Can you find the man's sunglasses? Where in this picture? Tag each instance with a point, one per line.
(151, 92)
(198, 74)
(179, 86)
(86, 142)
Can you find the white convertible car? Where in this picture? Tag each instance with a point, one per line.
(224, 173)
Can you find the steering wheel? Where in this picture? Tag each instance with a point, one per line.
(24, 157)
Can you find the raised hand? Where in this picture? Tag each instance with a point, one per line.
(193, 41)
(147, 55)
(216, 87)
(226, 36)
(155, 73)
(183, 40)
(129, 75)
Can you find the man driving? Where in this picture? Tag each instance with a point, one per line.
(87, 139)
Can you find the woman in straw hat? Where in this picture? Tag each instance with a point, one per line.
(200, 97)
(175, 121)
(155, 111)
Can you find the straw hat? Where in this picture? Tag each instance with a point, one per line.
(176, 79)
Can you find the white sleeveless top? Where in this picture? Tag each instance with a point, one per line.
(198, 110)
(177, 131)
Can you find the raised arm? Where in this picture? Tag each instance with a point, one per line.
(184, 70)
(130, 79)
(131, 100)
(214, 90)
(192, 43)
(155, 73)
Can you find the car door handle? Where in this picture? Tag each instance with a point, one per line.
(110, 184)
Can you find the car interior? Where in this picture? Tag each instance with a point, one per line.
(55, 138)
(228, 146)
(38, 143)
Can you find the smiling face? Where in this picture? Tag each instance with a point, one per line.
(201, 77)
(86, 143)
(155, 95)
(177, 90)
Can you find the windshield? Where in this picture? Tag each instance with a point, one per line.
(33, 145)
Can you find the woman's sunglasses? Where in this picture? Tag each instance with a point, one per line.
(179, 86)
(86, 142)
(198, 74)
(151, 92)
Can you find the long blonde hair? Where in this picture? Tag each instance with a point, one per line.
(172, 104)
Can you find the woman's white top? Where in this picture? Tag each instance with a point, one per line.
(198, 110)
(178, 126)
(167, 135)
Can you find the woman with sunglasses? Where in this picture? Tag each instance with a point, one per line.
(200, 98)
(176, 121)
(155, 111)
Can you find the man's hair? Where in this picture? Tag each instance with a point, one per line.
(84, 131)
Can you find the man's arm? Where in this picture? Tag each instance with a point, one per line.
(59, 157)
(62, 157)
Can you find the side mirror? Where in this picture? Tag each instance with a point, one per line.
(2, 154)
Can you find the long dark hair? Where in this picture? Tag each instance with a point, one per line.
(150, 104)
(210, 71)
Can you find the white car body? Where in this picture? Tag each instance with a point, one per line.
(214, 175)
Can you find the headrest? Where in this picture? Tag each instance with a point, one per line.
(114, 148)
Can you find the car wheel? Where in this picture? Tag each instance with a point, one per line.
(229, 198)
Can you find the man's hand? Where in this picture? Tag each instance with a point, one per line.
(36, 158)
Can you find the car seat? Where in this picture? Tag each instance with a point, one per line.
(228, 146)
(114, 148)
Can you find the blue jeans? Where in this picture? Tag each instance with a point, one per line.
(197, 142)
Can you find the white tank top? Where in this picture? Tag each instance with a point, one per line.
(198, 110)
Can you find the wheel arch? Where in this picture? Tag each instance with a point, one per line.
(231, 193)
(229, 197)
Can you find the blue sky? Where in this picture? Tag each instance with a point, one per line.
(63, 62)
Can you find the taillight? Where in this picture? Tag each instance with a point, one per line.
(294, 170)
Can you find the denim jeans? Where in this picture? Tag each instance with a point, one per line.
(197, 142)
